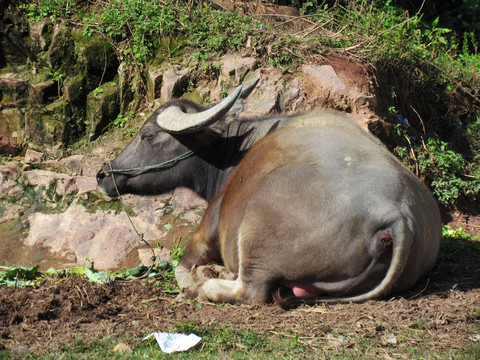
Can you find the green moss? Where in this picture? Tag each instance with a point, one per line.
(93, 202)
(194, 96)
(103, 106)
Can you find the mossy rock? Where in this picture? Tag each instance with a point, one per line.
(74, 89)
(44, 127)
(154, 83)
(42, 93)
(57, 124)
(97, 60)
(61, 53)
(103, 106)
(194, 96)
(12, 123)
(13, 88)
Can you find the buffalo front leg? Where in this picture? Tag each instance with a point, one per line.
(255, 290)
(202, 249)
(197, 253)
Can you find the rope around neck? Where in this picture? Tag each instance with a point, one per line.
(148, 167)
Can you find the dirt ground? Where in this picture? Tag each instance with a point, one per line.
(447, 303)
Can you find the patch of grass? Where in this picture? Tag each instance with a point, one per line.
(131, 26)
(456, 243)
(221, 341)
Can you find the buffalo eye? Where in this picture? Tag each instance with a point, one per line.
(148, 135)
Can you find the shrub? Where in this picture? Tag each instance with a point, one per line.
(450, 175)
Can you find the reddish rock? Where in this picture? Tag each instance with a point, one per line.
(33, 157)
(40, 177)
(184, 198)
(101, 237)
(325, 76)
(40, 93)
(232, 65)
(85, 184)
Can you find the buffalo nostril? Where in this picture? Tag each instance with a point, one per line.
(101, 175)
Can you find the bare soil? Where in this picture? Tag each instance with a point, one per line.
(53, 315)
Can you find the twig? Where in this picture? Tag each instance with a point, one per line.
(316, 27)
(421, 292)
(105, 66)
(421, 121)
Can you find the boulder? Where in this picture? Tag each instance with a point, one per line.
(40, 34)
(154, 83)
(61, 52)
(33, 157)
(325, 76)
(67, 185)
(48, 126)
(102, 237)
(42, 93)
(175, 83)
(72, 165)
(74, 89)
(8, 181)
(13, 90)
(39, 178)
(237, 67)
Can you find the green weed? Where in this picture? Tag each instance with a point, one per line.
(451, 176)
(52, 9)
(131, 26)
(20, 276)
(209, 31)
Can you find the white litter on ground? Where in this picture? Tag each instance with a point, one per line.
(171, 342)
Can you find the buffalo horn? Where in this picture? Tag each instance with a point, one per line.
(174, 120)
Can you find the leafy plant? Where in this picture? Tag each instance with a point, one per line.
(177, 251)
(449, 173)
(120, 122)
(132, 26)
(210, 31)
(20, 276)
(53, 9)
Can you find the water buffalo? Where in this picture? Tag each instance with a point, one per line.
(310, 204)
